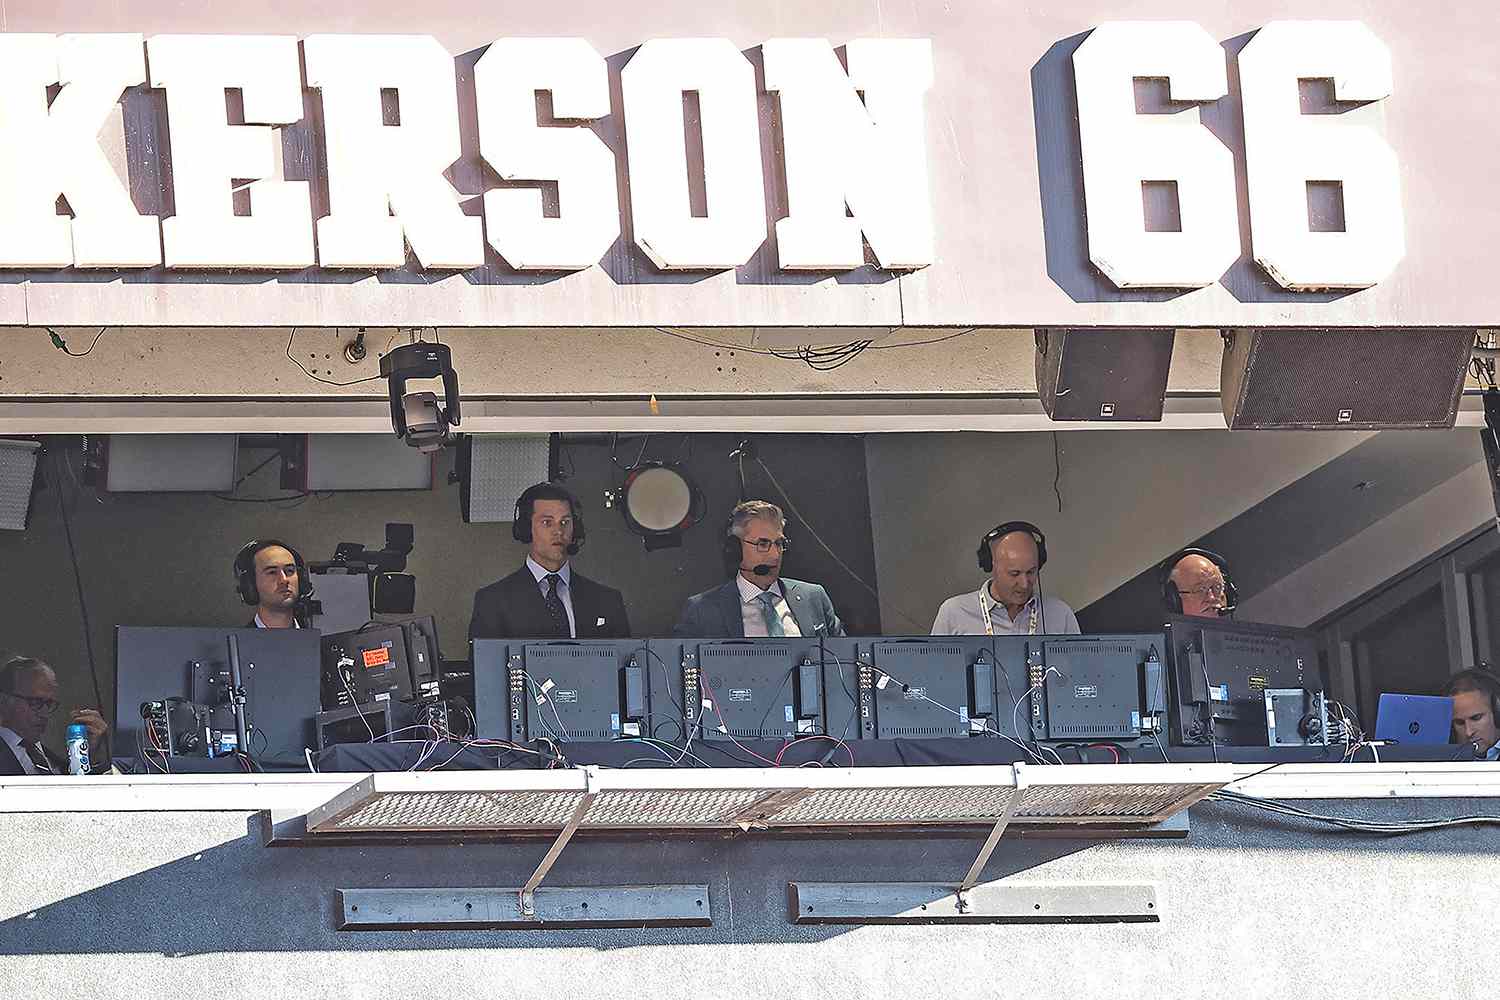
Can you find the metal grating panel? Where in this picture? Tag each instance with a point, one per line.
(897, 805)
(458, 810)
(1127, 802)
(1142, 793)
(724, 798)
(692, 807)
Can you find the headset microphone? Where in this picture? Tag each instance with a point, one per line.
(761, 569)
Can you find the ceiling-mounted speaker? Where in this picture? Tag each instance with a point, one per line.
(1311, 379)
(1111, 375)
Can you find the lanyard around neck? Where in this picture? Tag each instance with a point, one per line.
(989, 624)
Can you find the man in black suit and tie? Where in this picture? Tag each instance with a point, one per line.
(545, 598)
(28, 698)
(758, 601)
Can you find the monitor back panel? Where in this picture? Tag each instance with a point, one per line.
(752, 687)
(1093, 689)
(279, 669)
(572, 691)
(1228, 666)
(920, 688)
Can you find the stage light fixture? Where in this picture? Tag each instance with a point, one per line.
(659, 502)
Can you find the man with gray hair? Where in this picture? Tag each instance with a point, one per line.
(28, 698)
(758, 600)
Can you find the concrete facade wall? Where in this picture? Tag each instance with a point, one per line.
(188, 903)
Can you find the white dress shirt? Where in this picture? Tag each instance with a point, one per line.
(13, 740)
(960, 615)
(751, 608)
(261, 624)
(564, 588)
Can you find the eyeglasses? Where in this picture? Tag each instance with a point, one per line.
(1207, 592)
(42, 706)
(764, 544)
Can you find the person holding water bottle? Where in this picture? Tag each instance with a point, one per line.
(28, 699)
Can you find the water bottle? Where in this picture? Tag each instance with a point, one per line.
(78, 748)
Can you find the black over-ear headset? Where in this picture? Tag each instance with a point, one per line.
(987, 555)
(520, 525)
(244, 570)
(1482, 680)
(731, 551)
(1171, 600)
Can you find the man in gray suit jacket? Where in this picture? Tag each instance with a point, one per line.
(758, 601)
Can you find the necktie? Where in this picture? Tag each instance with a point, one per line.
(555, 607)
(772, 616)
(39, 758)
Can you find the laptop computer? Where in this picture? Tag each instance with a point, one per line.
(1414, 718)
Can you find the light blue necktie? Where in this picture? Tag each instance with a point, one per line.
(769, 612)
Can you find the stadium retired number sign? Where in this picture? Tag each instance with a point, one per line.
(852, 151)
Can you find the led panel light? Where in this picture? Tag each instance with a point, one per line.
(17, 471)
(500, 467)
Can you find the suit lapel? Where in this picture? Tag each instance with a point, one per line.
(795, 600)
(585, 614)
(533, 619)
(9, 762)
(729, 608)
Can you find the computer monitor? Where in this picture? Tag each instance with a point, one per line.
(423, 655)
(768, 688)
(1220, 670)
(564, 690)
(1098, 687)
(279, 669)
(929, 686)
(365, 665)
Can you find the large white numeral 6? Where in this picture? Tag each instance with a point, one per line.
(1123, 150)
(1285, 150)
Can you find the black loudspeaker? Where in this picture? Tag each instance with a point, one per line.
(1103, 374)
(1343, 379)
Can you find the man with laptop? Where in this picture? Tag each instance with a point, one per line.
(1476, 703)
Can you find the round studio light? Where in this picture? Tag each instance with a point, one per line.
(659, 503)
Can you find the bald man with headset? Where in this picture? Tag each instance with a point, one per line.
(545, 598)
(1196, 582)
(1010, 602)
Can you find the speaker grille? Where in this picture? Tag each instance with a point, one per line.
(1109, 375)
(1344, 379)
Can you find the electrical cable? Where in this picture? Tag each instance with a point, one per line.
(1057, 471)
(819, 539)
(1377, 827)
(62, 345)
(814, 736)
(83, 608)
(354, 701)
(1208, 707)
(319, 378)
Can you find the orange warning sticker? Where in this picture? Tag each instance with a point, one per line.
(377, 657)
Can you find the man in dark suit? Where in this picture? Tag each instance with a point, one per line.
(28, 698)
(758, 601)
(545, 598)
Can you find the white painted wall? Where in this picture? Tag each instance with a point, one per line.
(1386, 548)
(1129, 498)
